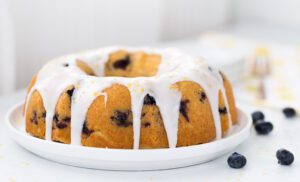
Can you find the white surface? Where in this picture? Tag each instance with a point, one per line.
(7, 66)
(273, 12)
(18, 164)
(87, 24)
(115, 159)
(280, 84)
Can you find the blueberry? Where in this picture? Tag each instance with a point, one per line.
(146, 124)
(259, 122)
(149, 100)
(121, 118)
(44, 114)
(122, 63)
(85, 129)
(61, 123)
(223, 110)
(183, 109)
(202, 96)
(70, 92)
(284, 157)
(263, 128)
(34, 119)
(236, 161)
(289, 112)
(257, 115)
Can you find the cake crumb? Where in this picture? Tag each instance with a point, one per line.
(12, 179)
(129, 85)
(24, 164)
(95, 94)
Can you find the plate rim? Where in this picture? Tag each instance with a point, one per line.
(179, 153)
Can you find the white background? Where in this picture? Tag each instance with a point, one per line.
(34, 31)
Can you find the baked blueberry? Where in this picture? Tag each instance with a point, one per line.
(34, 118)
(61, 123)
(236, 161)
(70, 92)
(202, 97)
(122, 63)
(44, 114)
(257, 115)
(85, 129)
(184, 109)
(263, 127)
(143, 114)
(222, 110)
(55, 118)
(284, 157)
(289, 112)
(121, 118)
(146, 124)
(149, 100)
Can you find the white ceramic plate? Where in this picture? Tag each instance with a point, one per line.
(120, 159)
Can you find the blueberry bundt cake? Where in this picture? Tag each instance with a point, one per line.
(129, 98)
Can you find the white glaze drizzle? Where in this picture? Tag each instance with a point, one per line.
(168, 102)
(175, 66)
(216, 73)
(84, 94)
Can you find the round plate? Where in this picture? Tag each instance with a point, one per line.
(120, 159)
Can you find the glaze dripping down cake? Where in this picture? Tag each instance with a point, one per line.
(129, 98)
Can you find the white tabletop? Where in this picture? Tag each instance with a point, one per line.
(17, 164)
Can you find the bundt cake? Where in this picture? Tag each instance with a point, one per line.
(129, 98)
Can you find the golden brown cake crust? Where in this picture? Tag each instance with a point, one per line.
(82, 65)
(35, 116)
(230, 98)
(153, 134)
(61, 124)
(123, 63)
(110, 125)
(196, 123)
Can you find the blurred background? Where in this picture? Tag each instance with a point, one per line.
(34, 31)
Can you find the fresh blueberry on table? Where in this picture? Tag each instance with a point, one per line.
(263, 127)
(236, 161)
(284, 157)
(257, 115)
(289, 112)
